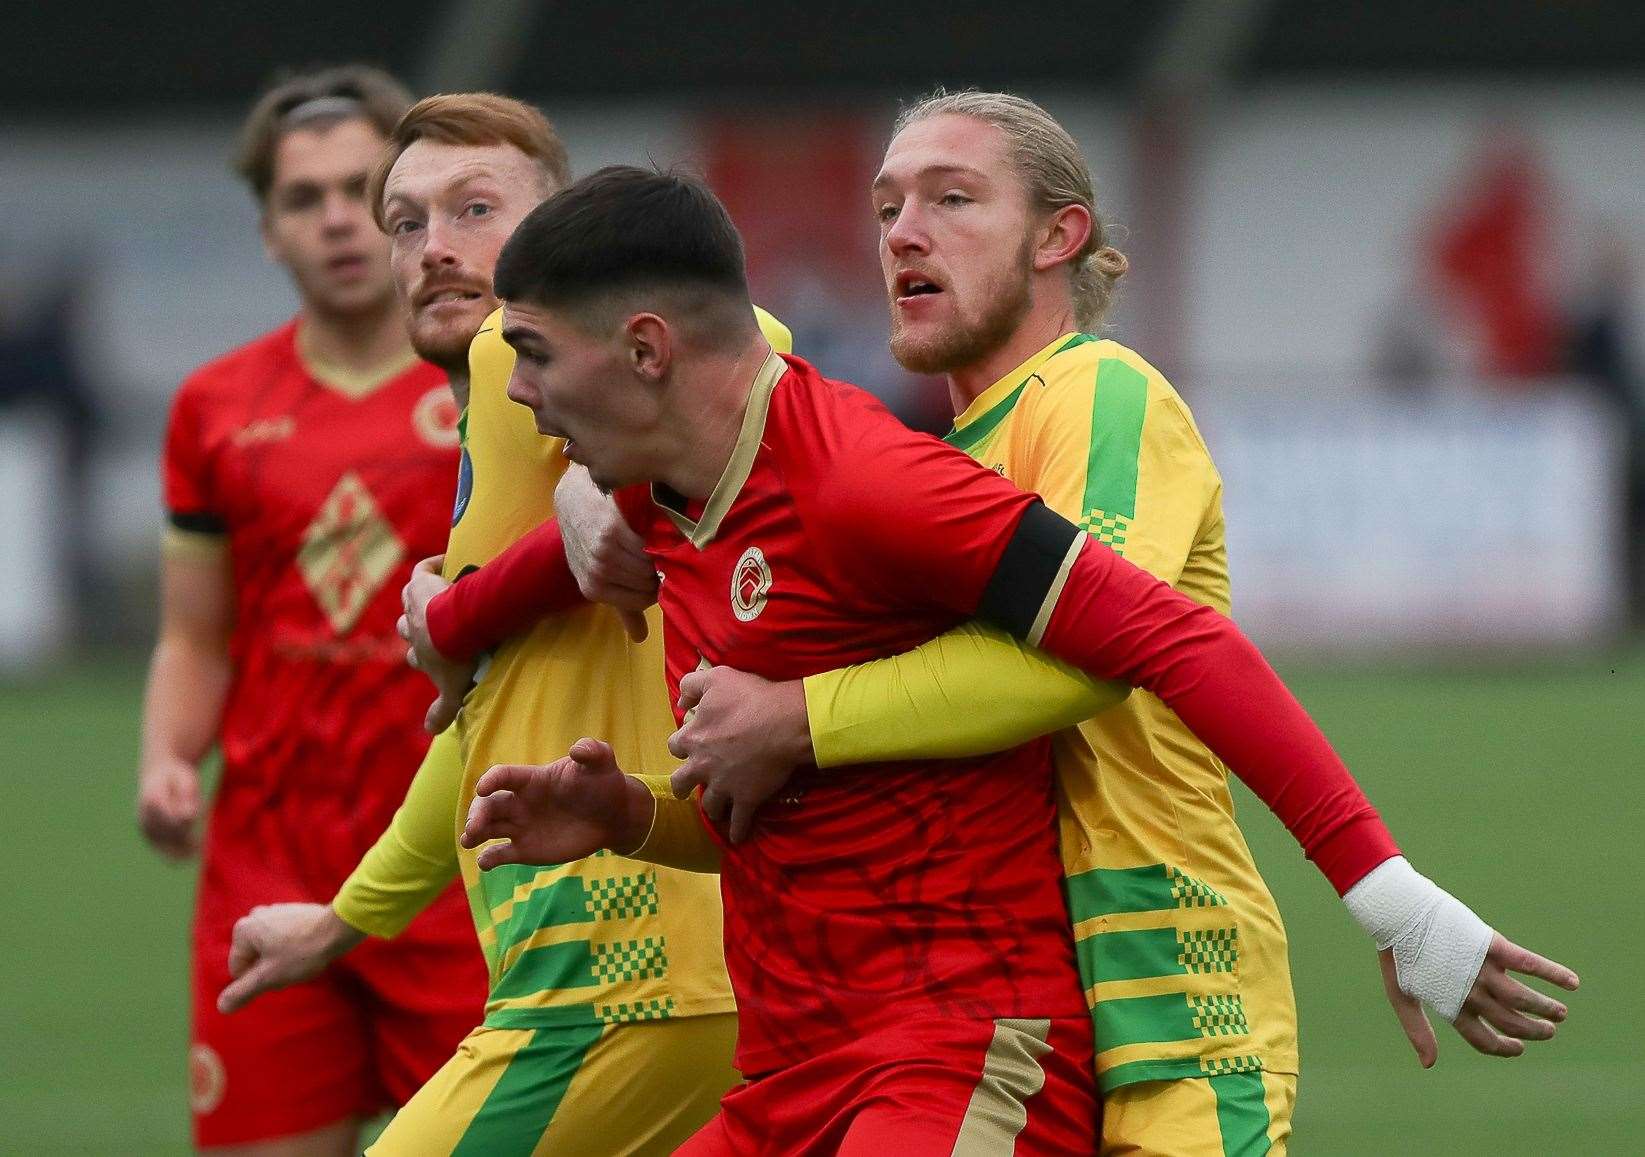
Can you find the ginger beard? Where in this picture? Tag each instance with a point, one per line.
(977, 319)
(442, 330)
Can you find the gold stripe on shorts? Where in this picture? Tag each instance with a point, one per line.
(1011, 1074)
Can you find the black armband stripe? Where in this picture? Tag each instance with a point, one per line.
(197, 522)
(1031, 573)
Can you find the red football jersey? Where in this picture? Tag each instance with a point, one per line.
(326, 500)
(867, 895)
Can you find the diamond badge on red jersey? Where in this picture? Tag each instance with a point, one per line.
(349, 551)
(750, 583)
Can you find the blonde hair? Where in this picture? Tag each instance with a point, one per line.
(472, 118)
(1056, 175)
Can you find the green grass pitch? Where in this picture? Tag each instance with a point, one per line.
(1519, 789)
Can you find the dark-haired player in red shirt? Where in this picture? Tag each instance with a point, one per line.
(305, 473)
(895, 936)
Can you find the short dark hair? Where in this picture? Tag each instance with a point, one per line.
(314, 99)
(618, 229)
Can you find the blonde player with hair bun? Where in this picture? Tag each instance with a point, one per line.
(999, 275)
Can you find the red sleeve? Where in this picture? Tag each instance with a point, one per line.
(1116, 621)
(185, 473)
(491, 605)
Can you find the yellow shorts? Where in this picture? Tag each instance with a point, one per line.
(1234, 1115)
(600, 1089)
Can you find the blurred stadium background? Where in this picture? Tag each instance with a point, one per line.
(1389, 253)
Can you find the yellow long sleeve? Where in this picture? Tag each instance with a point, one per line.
(677, 838)
(416, 856)
(971, 691)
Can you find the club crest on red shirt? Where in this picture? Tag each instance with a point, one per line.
(435, 418)
(750, 582)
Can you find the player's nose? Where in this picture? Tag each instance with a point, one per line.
(907, 233)
(341, 213)
(521, 391)
(437, 248)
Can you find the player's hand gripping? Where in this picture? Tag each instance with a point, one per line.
(742, 738)
(563, 811)
(606, 556)
(168, 807)
(451, 679)
(1499, 1013)
(276, 945)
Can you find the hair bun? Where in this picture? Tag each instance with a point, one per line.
(1109, 262)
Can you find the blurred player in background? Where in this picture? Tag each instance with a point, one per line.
(304, 473)
(610, 1023)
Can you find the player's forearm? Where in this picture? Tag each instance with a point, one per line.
(391, 887)
(1114, 620)
(506, 597)
(188, 685)
(416, 857)
(675, 835)
(971, 691)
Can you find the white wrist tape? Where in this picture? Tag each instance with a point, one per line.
(1439, 944)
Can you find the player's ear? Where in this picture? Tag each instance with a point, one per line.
(650, 345)
(1061, 237)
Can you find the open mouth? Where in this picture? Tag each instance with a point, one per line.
(910, 284)
(445, 296)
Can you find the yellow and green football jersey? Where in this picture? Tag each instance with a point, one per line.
(1179, 943)
(606, 939)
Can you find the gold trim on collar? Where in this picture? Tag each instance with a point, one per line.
(701, 532)
(351, 383)
(985, 401)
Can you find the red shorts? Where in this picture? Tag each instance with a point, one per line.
(926, 1086)
(360, 1038)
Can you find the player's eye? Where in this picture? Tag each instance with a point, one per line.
(886, 213)
(402, 227)
(477, 209)
(953, 200)
(300, 198)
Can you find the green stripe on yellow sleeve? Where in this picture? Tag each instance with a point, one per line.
(1118, 408)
